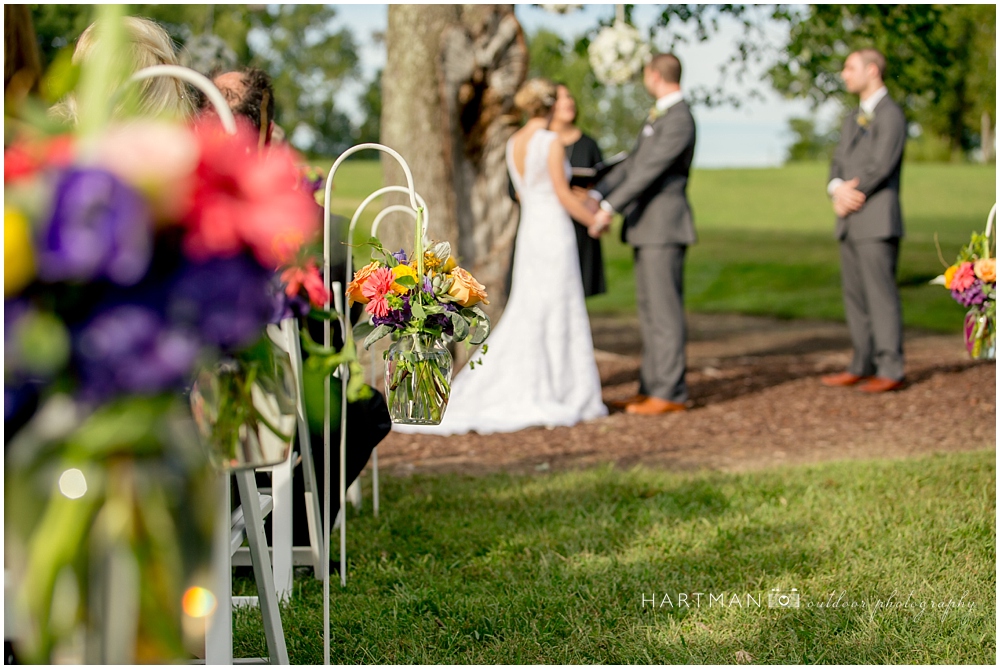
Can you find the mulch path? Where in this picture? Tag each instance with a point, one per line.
(756, 402)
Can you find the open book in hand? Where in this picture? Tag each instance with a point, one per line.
(586, 176)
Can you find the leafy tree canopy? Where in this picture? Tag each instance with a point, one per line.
(941, 61)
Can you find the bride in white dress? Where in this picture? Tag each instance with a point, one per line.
(539, 369)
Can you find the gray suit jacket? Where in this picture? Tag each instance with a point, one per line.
(873, 154)
(650, 186)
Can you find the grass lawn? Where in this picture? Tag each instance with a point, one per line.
(894, 562)
(766, 240)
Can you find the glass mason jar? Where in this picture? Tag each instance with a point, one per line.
(245, 408)
(980, 335)
(417, 379)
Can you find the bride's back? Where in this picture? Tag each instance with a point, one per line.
(528, 160)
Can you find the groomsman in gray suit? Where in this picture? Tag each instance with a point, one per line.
(650, 189)
(864, 187)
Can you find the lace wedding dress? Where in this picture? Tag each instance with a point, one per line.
(539, 369)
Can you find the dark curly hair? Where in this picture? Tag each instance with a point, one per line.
(254, 101)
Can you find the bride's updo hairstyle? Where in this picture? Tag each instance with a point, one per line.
(536, 97)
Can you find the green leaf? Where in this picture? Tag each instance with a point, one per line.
(483, 325)
(417, 310)
(377, 334)
(461, 326)
(406, 281)
(363, 329)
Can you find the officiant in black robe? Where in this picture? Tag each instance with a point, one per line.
(583, 154)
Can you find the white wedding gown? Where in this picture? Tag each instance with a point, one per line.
(539, 369)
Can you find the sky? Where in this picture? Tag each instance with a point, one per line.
(755, 135)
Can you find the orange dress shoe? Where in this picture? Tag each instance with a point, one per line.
(842, 380)
(621, 404)
(652, 406)
(880, 384)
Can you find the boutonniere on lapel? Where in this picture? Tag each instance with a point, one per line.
(865, 119)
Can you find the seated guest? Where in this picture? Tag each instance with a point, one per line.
(148, 44)
(250, 96)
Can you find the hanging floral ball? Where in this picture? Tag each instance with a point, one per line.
(561, 9)
(618, 53)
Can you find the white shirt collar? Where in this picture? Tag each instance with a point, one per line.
(669, 100)
(868, 106)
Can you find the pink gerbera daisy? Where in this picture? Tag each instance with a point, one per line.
(375, 289)
(963, 277)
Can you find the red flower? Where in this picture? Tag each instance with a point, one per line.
(309, 278)
(247, 198)
(25, 158)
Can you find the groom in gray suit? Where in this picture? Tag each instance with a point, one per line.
(650, 189)
(864, 187)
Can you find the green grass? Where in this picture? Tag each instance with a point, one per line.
(553, 568)
(766, 243)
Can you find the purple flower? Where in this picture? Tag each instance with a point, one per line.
(397, 318)
(130, 349)
(99, 227)
(400, 255)
(226, 300)
(972, 295)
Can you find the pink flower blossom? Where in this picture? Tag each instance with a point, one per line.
(963, 277)
(245, 198)
(156, 158)
(378, 307)
(378, 285)
(297, 278)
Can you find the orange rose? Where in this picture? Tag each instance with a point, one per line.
(360, 277)
(986, 269)
(465, 289)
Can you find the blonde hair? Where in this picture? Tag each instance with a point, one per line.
(536, 97)
(146, 44)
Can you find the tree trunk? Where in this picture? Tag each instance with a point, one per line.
(22, 65)
(447, 107)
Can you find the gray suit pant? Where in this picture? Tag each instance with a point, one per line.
(871, 304)
(659, 291)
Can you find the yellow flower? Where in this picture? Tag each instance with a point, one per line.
(465, 289)
(949, 274)
(399, 271)
(360, 277)
(986, 269)
(18, 256)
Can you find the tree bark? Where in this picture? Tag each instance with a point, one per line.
(447, 106)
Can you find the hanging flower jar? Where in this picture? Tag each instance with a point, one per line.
(424, 301)
(418, 379)
(972, 280)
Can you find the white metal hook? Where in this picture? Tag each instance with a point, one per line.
(393, 209)
(416, 203)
